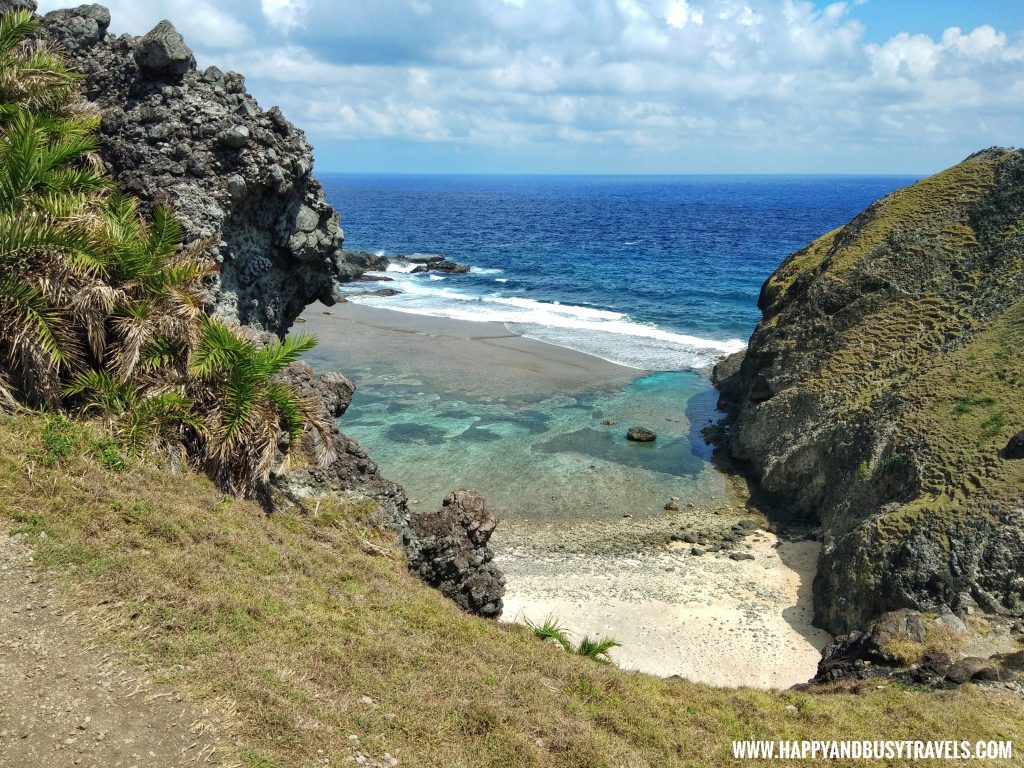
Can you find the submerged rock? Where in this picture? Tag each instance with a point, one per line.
(641, 435)
(448, 549)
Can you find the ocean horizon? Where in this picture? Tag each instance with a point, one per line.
(657, 273)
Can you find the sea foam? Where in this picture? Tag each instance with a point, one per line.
(607, 334)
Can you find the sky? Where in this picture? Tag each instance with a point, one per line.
(620, 86)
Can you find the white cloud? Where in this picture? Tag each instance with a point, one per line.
(726, 79)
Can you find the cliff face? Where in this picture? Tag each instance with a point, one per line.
(881, 392)
(200, 142)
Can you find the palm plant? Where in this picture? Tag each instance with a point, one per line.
(597, 648)
(31, 76)
(246, 410)
(154, 309)
(144, 419)
(48, 181)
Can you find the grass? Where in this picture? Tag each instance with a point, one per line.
(285, 622)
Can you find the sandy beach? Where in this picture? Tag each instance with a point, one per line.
(473, 358)
(626, 570)
(707, 618)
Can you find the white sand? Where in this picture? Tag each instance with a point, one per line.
(709, 618)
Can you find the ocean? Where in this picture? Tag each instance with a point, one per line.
(660, 274)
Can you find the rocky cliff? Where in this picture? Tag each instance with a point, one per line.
(881, 395)
(228, 169)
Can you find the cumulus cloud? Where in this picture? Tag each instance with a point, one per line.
(644, 84)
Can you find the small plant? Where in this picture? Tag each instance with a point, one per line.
(896, 463)
(593, 648)
(551, 630)
(966, 404)
(61, 438)
(993, 425)
(863, 470)
(597, 648)
(107, 452)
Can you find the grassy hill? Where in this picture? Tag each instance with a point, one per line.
(880, 388)
(287, 622)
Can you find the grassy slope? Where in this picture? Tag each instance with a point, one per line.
(289, 622)
(958, 403)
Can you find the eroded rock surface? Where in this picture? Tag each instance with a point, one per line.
(448, 549)
(353, 473)
(200, 143)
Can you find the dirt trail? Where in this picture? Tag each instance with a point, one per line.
(67, 700)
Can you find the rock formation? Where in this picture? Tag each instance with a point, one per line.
(227, 168)
(448, 549)
(880, 390)
(352, 473)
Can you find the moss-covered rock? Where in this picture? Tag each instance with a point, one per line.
(880, 389)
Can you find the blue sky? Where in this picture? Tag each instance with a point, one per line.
(621, 86)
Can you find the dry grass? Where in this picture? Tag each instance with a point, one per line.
(291, 622)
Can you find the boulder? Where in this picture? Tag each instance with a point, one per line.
(450, 267)
(1015, 448)
(162, 52)
(448, 549)
(235, 137)
(965, 669)
(641, 435)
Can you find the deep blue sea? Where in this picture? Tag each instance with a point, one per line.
(655, 272)
(660, 274)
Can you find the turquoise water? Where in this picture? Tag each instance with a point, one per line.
(542, 457)
(653, 273)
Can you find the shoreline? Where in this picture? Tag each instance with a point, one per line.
(377, 335)
(629, 574)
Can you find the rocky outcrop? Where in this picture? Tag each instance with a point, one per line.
(448, 549)
(880, 390)
(229, 170)
(352, 473)
(911, 647)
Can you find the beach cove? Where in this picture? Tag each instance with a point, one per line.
(703, 592)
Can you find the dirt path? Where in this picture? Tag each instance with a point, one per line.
(66, 700)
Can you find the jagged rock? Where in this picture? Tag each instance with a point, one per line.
(1015, 448)
(352, 473)
(641, 435)
(162, 51)
(450, 267)
(369, 262)
(740, 556)
(230, 171)
(448, 549)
